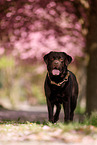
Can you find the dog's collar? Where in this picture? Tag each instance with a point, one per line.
(60, 83)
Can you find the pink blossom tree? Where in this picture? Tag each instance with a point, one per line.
(31, 28)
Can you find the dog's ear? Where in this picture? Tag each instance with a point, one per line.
(46, 58)
(68, 59)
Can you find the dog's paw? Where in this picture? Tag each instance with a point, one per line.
(56, 119)
(51, 120)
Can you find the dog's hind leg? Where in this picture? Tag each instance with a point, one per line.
(66, 107)
(72, 108)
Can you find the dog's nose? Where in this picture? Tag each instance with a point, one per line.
(56, 63)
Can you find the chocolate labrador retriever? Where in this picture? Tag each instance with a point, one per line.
(61, 86)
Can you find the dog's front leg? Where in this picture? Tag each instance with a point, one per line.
(50, 111)
(66, 106)
(56, 116)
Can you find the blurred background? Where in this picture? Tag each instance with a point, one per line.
(31, 28)
(23, 85)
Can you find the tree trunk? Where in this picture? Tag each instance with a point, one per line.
(91, 96)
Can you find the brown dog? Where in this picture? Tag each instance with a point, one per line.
(61, 86)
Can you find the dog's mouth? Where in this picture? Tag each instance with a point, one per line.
(56, 72)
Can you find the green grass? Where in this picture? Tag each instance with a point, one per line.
(88, 120)
(31, 127)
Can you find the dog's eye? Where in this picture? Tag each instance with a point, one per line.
(61, 59)
(52, 59)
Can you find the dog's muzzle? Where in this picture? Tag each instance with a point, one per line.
(56, 64)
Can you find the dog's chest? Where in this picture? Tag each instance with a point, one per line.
(58, 97)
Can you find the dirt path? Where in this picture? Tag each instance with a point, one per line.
(36, 113)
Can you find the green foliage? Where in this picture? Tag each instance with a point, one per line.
(91, 120)
(19, 83)
(37, 92)
(6, 62)
(80, 110)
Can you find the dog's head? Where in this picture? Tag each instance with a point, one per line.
(57, 62)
